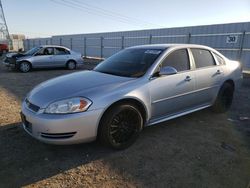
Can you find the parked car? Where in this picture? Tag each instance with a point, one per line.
(48, 56)
(137, 87)
(4, 48)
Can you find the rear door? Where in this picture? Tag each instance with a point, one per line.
(173, 94)
(61, 56)
(208, 75)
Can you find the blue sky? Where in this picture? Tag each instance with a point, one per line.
(41, 18)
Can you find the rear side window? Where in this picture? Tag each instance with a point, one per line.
(61, 51)
(219, 59)
(202, 58)
(178, 59)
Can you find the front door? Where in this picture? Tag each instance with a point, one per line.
(43, 58)
(173, 94)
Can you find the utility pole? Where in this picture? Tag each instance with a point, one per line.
(4, 32)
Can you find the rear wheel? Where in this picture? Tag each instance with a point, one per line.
(120, 126)
(25, 67)
(71, 65)
(224, 99)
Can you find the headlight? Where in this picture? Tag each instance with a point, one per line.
(73, 105)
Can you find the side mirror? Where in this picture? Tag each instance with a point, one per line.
(167, 71)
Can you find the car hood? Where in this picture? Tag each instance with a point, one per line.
(15, 55)
(72, 85)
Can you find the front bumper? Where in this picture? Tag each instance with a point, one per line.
(61, 129)
(7, 64)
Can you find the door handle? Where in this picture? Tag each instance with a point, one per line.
(188, 78)
(219, 72)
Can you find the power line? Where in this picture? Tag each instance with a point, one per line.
(82, 8)
(112, 13)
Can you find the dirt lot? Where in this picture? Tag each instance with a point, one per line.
(199, 150)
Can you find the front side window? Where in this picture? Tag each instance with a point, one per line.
(178, 59)
(46, 51)
(203, 58)
(129, 62)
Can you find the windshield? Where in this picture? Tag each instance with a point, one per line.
(129, 62)
(32, 51)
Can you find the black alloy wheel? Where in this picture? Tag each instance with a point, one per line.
(120, 126)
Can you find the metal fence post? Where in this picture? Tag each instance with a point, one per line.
(150, 39)
(242, 44)
(71, 43)
(101, 47)
(189, 38)
(60, 41)
(122, 42)
(85, 46)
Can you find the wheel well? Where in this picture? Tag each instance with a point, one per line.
(231, 82)
(135, 102)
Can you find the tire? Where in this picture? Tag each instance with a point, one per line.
(224, 99)
(25, 67)
(120, 126)
(71, 65)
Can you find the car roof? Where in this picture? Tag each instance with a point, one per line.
(54, 46)
(165, 46)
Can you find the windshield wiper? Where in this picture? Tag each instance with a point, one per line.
(106, 72)
(112, 73)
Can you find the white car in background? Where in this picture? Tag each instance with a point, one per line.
(49, 56)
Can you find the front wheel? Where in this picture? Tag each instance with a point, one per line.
(25, 67)
(224, 99)
(120, 126)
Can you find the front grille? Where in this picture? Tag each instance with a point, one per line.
(7, 60)
(31, 106)
(27, 124)
(58, 135)
(10, 60)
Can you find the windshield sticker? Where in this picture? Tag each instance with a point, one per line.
(155, 52)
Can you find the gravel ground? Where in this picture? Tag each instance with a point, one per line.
(202, 149)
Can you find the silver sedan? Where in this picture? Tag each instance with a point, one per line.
(137, 87)
(48, 56)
